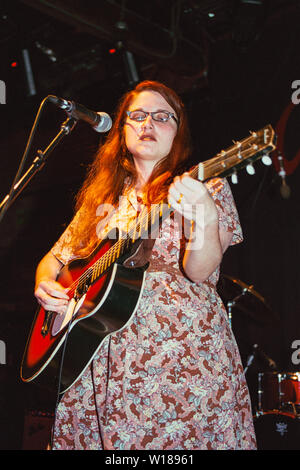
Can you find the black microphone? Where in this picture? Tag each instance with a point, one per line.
(100, 121)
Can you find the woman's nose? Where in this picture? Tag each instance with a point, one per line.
(148, 121)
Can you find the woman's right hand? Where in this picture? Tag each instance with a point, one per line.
(52, 296)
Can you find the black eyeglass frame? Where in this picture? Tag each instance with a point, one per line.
(170, 115)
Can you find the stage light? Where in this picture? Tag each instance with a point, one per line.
(31, 89)
(130, 68)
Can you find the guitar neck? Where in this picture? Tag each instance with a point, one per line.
(241, 154)
(145, 226)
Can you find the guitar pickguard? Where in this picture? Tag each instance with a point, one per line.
(61, 321)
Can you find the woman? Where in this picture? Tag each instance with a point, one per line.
(172, 378)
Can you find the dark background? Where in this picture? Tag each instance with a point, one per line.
(234, 64)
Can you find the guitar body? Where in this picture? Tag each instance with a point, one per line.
(105, 307)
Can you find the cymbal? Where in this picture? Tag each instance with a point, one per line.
(245, 300)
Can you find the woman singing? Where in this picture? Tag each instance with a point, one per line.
(172, 378)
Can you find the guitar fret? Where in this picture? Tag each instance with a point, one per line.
(146, 225)
(161, 209)
(105, 261)
(108, 257)
(140, 229)
(154, 214)
(113, 253)
(128, 242)
(95, 271)
(141, 221)
(100, 267)
(118, 250)
(98, 272)
(111, 260)
(94, 275)
(134, 234)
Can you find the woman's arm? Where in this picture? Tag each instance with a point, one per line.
(200, 263)
(206, 241)
(50, 294)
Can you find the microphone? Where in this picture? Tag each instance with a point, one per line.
(100, 121)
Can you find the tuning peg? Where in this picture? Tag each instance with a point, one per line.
(266, 160)
(234, 178)
(250, 169)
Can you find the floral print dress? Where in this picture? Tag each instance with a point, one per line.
(172, 378)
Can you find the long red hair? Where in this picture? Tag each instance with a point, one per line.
(113, 165)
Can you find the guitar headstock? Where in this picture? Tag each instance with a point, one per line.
(240, 155)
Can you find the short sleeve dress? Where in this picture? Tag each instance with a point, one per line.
(172, 378)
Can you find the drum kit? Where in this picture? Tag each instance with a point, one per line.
(277, 401)
(277, 419)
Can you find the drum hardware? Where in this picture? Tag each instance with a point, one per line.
(278, 391)
(259, 395)
(241, 298)
(233, 302)
(257, 351)
(291, 408)
(277, 415)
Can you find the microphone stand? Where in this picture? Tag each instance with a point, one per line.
(37, 165)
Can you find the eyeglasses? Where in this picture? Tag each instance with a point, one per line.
(160, 116)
